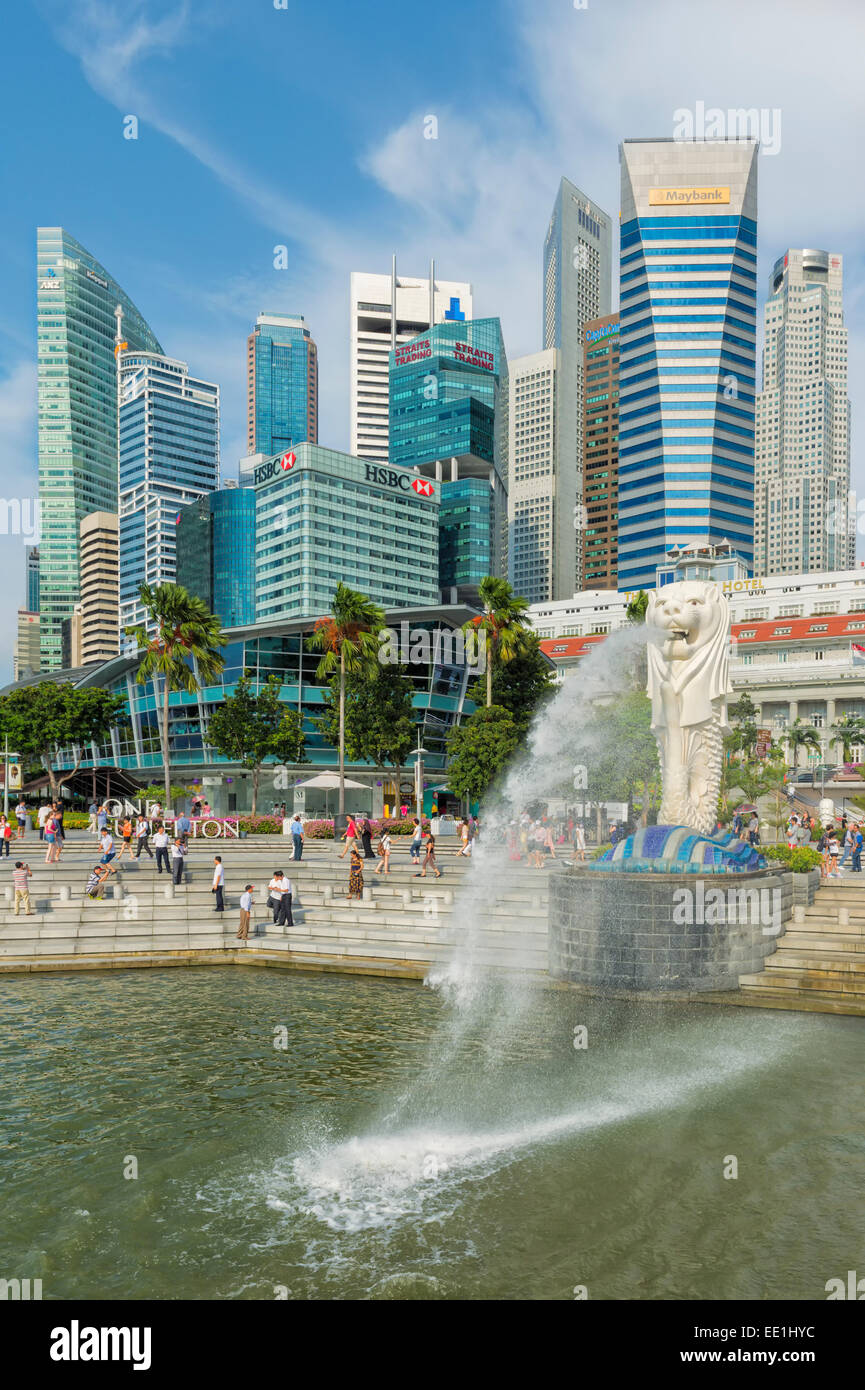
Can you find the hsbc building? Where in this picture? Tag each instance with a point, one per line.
(324, 516)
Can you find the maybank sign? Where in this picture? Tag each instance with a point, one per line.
(687, 197)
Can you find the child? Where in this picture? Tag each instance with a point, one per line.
(383, 853)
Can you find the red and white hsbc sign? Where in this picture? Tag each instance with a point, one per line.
(288, 461)
(423, 486)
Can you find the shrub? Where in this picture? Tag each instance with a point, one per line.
(76, 820)
(800, 860)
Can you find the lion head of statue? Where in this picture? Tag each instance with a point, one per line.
(688, 628)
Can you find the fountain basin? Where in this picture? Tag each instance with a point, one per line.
(664, 931)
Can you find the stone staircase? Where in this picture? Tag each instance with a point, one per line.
(820, 961)
(403, 925)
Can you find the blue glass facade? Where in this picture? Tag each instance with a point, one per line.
(169, 455)
(282, 385)
(687, 352)
(233, 511)
(449, 421)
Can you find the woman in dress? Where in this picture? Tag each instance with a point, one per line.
(355, 875)
(366, 839)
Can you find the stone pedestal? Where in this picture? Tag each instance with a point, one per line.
(664, 932)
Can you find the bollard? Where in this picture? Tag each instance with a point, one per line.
(65, 892)
(7, 893)
(367, 894)
(328, 894)
(406, 897)
(798, 913)
(117, 893)
(449, 898)
(168, 890)
(843, 917)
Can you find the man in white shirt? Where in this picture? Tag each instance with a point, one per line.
(142, 835)
(160, 844)
(44, 813)
(279, 891)
(178, 856)
(246, 902)
(218, 886)
(106, 844)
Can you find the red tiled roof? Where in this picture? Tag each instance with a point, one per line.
(558, 647)
(799, 629)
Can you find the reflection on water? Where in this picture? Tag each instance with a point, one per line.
(381, 1156)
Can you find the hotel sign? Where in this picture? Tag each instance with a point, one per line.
(687, 197)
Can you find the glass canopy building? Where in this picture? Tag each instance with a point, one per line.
(169, 455)
(687, 357)
(77, 412)
(449, 422)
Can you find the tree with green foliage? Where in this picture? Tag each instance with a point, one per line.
(520, 685)
(378, 716)
(742, 715)
(801, 735)
(180, 646)
(250, 726)
(503, 623)
(479, 750)
(38, 719)
(619, 751)
(636, 609)
(348, 637)
(849, 729)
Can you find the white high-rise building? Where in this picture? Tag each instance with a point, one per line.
(802, 512)
(540, 519)
(578, 251)
(387, 310)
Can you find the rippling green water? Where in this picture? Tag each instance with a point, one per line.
(382, 1155)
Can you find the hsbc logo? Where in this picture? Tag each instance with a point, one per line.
(399, 478)
(288, 461)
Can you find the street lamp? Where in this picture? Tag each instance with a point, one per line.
(418, 754)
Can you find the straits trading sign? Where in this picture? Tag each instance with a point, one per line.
(462, 352)
(687, 197)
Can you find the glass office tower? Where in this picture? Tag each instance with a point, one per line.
(281, 384)
(449, 421)
(77, 412)
(169, 455)
(215, 553)
(687, 356)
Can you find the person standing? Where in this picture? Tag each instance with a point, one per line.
(246, 904)
(430, 858)
(297, 836)
(21, 876)
(92, 812)
(834, 851)
(52, 854)
(857, 850)
(178, 859)
(355, 875)
(848, 846)
(42, 816)
(383, 853)
(57, 808)
(218, 886)
(366, 838)
(182, 827)
(579, 842)
(416, 842)
(465, 849)
(101, 820)
(279, 891)
(142, 836)
(125, 829)
(21, 817)
(5, 836)
(160, 844)
(350, 836)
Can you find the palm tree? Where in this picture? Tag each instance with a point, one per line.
(849, 729)
(801, 735)
(503, 622)
(348, 636)
(181, 646)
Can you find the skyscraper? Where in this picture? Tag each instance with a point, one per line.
(169, 455)
(801, 521)
(33, 578)
(577, 287)
(686, 349)
(449, 421)
(77, 412)
(98, 549)
(601, 453)
(281, 384)
(215, 549)
(540, 560)
(387, 310)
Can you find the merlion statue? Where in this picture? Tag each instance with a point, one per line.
(689, 680)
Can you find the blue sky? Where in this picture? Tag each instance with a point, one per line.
(303, 126)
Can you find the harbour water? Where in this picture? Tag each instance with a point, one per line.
(309, 1136)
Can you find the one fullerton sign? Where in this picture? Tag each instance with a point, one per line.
(687, 197)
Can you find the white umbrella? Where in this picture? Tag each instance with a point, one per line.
(329, 781)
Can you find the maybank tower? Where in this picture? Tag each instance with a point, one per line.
(687, 350)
